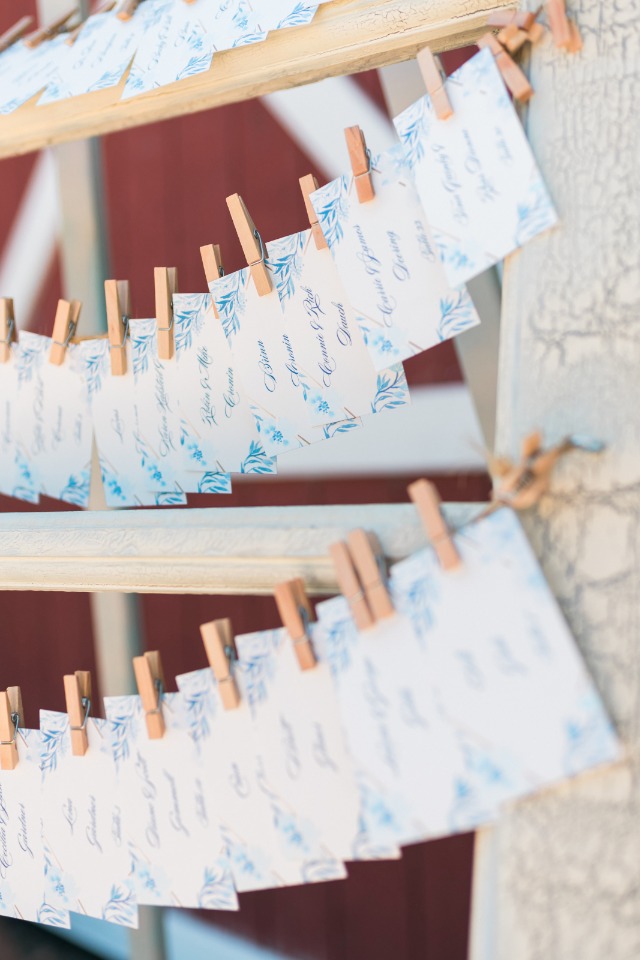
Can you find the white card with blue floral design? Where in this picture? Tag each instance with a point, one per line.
(310, 766)
(54, 420)
(303, 824)
(176, 44)
(267, 366)
(387, 260)
(32, 70)
(16, 475)
(410, 767)
(477, 178)
(177, 849)
(22, 857)
(339, 378)
(501, 662)
(128, 469)
(88, 867)
(211, 398)
(225, 742)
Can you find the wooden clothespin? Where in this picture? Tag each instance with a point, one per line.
(296, 614)
(118, 300)
(517, 27)
(512, 75)
(350, 586)
(166, 285)
(77, 692)
(369, 562)
(564, 31)
(252, 244)
(64, 328)
(14, 33)
(217, 637)
(11, 719)
(434, 81)
(309, 185)
(213, 268)
(128, 9)
(425, 496)
(7, 328)
(360, 158)
(150, 681)
(51, 30)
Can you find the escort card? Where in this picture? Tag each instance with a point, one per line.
(30, 72)
(499, 659)
(267, 366)
(16, 474)
(126, 462)
(211, 399)
(87, 863)
(226, 748)
(176, 846)
(53, 420)
(301, 820)
(22, 860)
(411, 769)
(477, 178)
(339, 379)
(387, 260)
(298, 728)
(172, 445)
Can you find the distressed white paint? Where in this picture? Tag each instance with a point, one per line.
(560, 878)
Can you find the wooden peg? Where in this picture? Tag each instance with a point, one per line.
(127, 9)
(517, 27)
(252, 244)
(51, 30)
(369, 563)
(425, 496)
(350, 586)
(118, 300)
(296, 614)
(11, 718)
(150, 681)
(212, 261)
(64, 328)
(565, 32)
(166, 285)
(360, 158)
(14, 33)
(7, 328)
(217, 637)
(434, 81)
(77, 692)
(309, 185)
(512, 75)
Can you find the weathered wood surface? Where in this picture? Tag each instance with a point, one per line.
(216, 551)
(346, 36)
(560, 878)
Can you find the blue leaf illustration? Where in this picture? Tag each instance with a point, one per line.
(332, 207)
(257, 460)
(391, 390)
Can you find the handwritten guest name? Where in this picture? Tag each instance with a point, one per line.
(23, 832)
(378, 706)
(175, 816)
(342, 330)
(70, 813)
(292, 755)
(149, 793)
(319, 749)
(4, 812)
(238, 782)
(207, 409)
(450, 184)
(386, 305)
(6, 859)
(116, 826)
(473, 165)
(291, 364)
(201, 804)
(270, 381)
(398, 263)
(230, 395)
(426, 249)
(92, 827)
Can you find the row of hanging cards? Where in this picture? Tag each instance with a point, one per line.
(163, 41)
(309, 746)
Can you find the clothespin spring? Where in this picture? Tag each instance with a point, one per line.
(15, 720)
(367, 172)
(262, 257)
(121, 346)
(11, 326)
(73, 326)
(86, 704)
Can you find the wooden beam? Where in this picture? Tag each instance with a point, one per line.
(346, 36)
(558, 875)
(217, 551)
